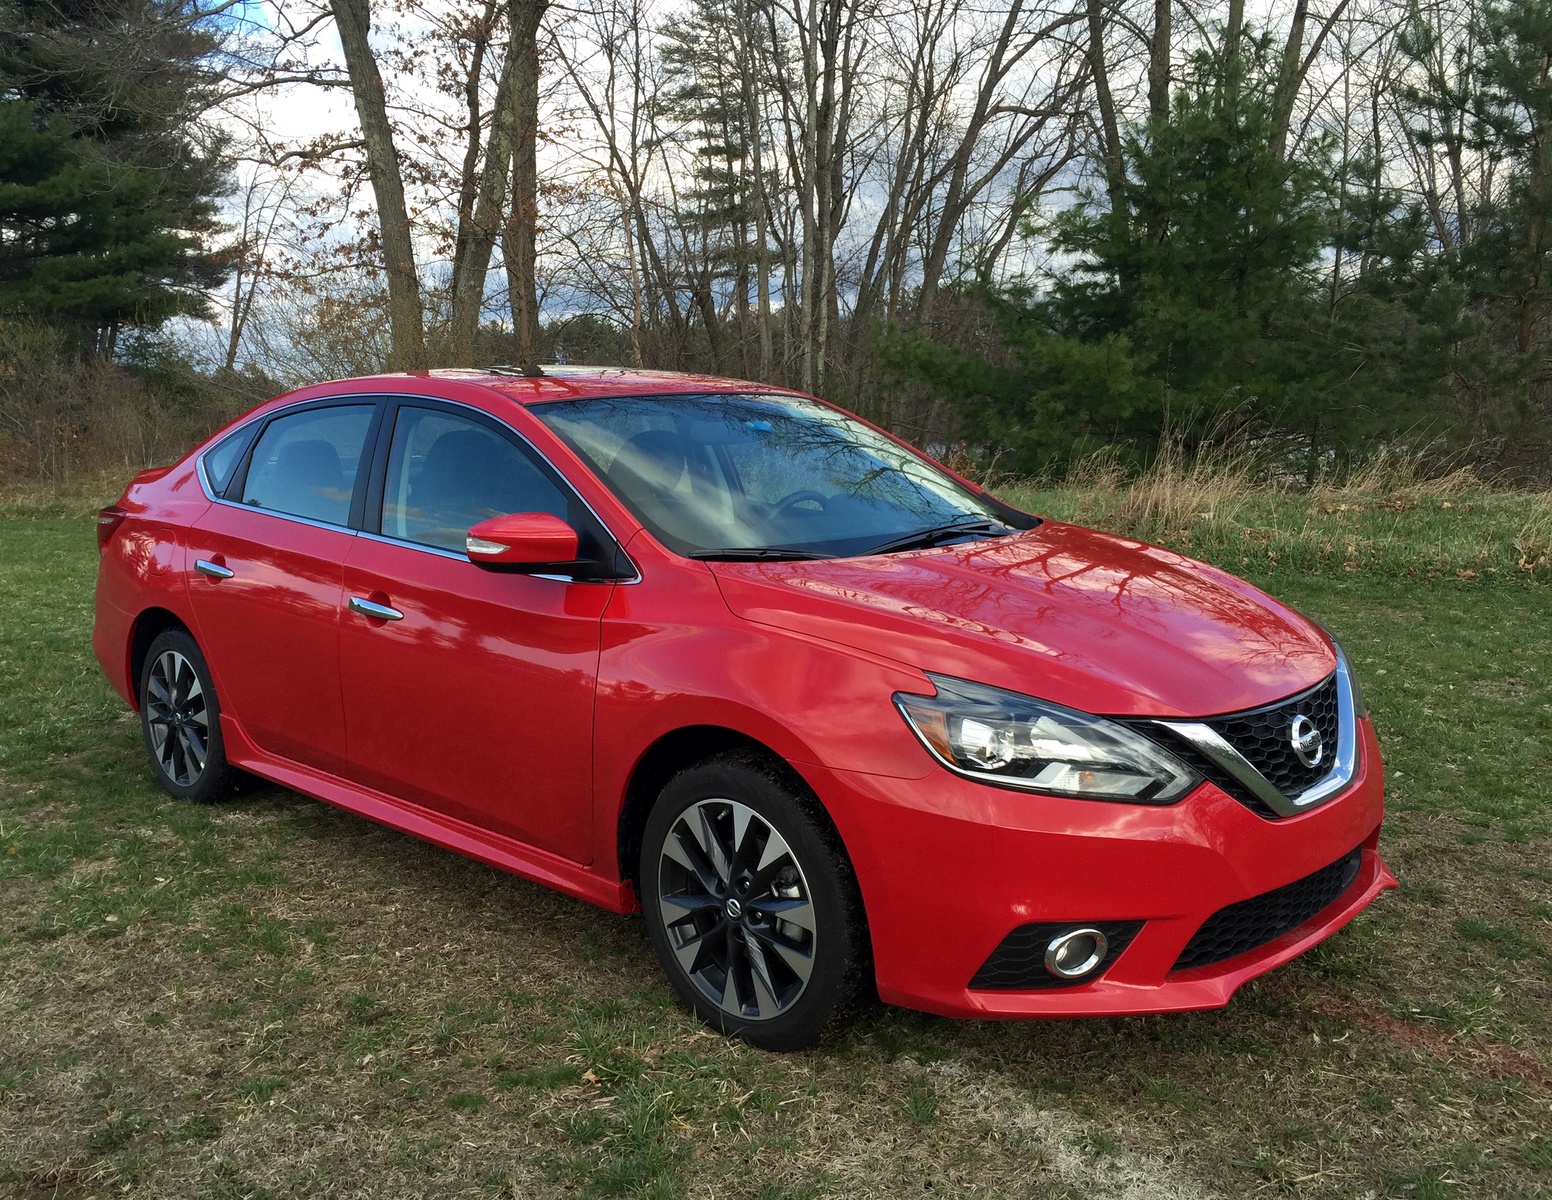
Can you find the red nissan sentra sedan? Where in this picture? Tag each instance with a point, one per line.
(827, 713)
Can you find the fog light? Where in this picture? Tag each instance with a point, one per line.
(1074, 954)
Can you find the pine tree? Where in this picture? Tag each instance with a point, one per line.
(108, 180)
(1480, 286)
(1188, 296)
(707, 58)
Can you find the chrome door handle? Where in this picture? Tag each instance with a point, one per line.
(214, 570)
(381, 611)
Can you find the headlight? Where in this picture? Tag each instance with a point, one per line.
(1020, 742)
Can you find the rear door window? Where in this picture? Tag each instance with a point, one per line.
(305, 463)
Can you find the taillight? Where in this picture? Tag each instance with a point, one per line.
(108, 520)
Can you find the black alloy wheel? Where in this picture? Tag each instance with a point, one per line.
(751, 904)
(180, 719)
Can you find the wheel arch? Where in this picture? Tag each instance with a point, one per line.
(678, 750)
(148, 626)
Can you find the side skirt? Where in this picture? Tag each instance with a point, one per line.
(529, 862)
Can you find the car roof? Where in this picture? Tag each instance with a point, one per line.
(577, 382)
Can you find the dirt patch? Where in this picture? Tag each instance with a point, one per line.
(1486, 1058)
(1090, 1156)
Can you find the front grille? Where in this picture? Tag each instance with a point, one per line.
(1203, 766)
(1263, 736)
(1018, 963)
(1255, 922)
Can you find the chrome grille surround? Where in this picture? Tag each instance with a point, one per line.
(1206, 740)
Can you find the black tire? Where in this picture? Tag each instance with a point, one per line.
(180, 717)
(747, 903)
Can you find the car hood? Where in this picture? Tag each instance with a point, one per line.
(1095, 622)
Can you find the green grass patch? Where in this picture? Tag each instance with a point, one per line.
(268, 997)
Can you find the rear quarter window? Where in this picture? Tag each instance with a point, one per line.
(220, 461)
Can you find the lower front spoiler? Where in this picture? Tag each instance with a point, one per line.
(1184, 991)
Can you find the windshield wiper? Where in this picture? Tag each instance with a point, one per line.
(754, 554)
(924, 538)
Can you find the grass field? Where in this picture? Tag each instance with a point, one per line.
(272, 998)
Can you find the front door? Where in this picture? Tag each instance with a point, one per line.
(268, 564)
(469, 690)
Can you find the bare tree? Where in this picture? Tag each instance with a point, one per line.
(353, 20)
(518, 241)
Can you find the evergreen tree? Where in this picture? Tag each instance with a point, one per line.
(700, 55)
(1479, 287)
(1514, 104)
(1194, 298)
(710, 62)
(108, 180)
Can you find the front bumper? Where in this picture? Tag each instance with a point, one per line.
(948, 867)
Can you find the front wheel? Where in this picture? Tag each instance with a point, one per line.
(180, 719)
(751, 904)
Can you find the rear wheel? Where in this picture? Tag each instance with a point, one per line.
(751, 904)
(180, 719)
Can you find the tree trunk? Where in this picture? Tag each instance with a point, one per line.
(1295, 66)
(1535, 250)
(1288, 78)
(1110, 130)
(477, 239)
(1158, 62)
(353, 18)
(809, 172)
(1232, 29)
(468, 175)
(518, 243)
(1009, 50)
(754, 188)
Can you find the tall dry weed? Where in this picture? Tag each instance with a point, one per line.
(1400, 473)
(1534, 541)
(1097, 474)
(1183, 487)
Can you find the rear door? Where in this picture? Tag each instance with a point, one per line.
(470, 690)
(268, 562)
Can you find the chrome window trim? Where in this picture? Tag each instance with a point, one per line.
(272, 512)
(421, 546)
(204, 484)
(454, 556)
(204, 481)
(1343, 767)
(199, 462)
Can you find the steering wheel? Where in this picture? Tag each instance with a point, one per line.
(792, 499)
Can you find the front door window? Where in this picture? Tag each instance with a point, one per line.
(446, 473)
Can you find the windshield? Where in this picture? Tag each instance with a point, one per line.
(748, 476)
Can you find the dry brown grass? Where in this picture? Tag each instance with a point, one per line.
(1400, 473)
(1398, 512)
(62, 416)
(1214, 483)
(1181, 489)
(1534, 540)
